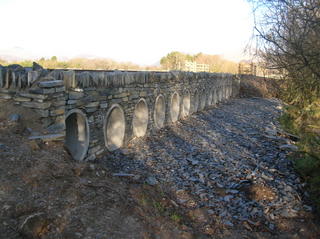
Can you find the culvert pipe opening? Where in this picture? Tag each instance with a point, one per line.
(114, 128)
(77, 134)
(186, 104)
(175, 107)
(159, 111)
(140, 119)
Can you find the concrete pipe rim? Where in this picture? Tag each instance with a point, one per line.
(203, 99)
(105, 123)
(209, 100)
(186, 97)
(155, 111)
(174, 118)
(195, 104)
(87, 131)
(135, 133)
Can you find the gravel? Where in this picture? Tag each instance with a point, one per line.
(230, 158)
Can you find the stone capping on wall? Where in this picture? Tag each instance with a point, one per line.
(17, 77)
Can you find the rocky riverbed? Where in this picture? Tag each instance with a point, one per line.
(230, 161)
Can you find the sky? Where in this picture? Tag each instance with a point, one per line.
(139, 31)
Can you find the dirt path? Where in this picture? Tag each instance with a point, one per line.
(218, 174)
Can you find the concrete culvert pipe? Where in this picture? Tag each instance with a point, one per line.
(159, 111)
(213, 97)
(195, 102)
(213, 100)
(216, 95)
(209, 98)
(77, 134)
(222, 93)
(185, 105)
(229, 92)
(226, 92)
(140, 119)
(174, 107)
(114, 128)
(203, 99)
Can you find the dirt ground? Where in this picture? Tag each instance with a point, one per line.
(45, 194)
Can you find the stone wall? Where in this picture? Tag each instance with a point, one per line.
(99, 111)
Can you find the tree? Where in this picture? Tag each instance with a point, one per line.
(2, 62)
(54, 58)
(288, 40)
(174, 60)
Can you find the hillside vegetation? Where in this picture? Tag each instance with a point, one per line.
(216, 63)
(172, 61)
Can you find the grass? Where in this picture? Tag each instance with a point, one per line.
(167, 211)
(157, 204)
(159, 207)
(176, 217)
(305, 122)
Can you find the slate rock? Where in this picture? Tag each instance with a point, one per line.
(14, 117)
(33, 225)
(289, 147)
(36, 67)
(152, 181)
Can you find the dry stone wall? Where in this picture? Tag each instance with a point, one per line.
(99, 111)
